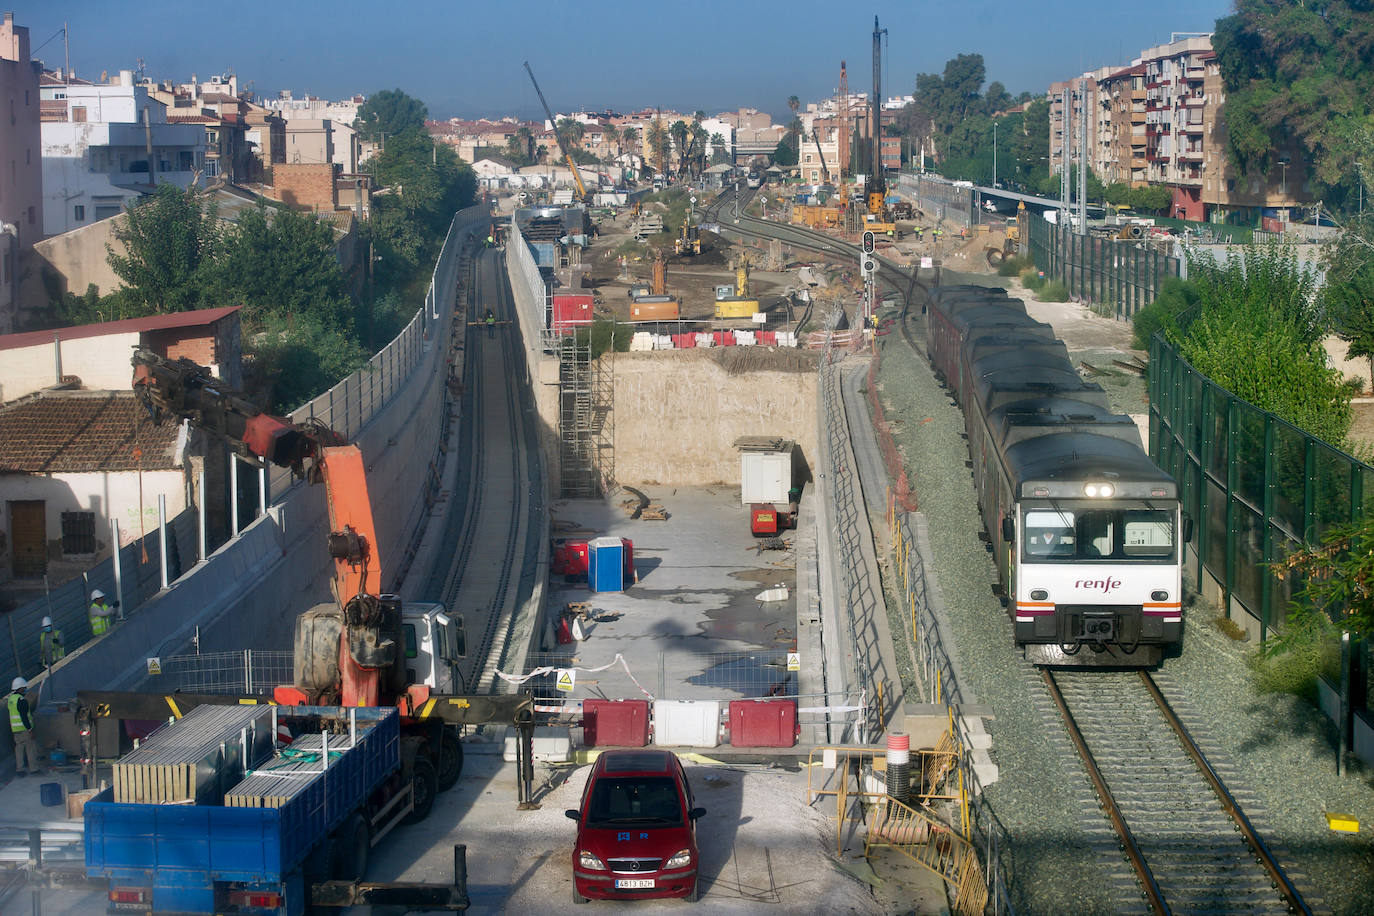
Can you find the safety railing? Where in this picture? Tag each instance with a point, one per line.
(248, 671)
(1114, 277)
(939, 198)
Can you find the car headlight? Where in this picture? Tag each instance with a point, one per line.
(586, 860)
(680, 859)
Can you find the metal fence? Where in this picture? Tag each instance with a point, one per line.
(1257, 486)
(251, 671)
(1114, 277)
(939, 198)
(939, 676)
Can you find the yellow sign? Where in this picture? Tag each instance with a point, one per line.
(154, 665)
(793, 661)
(567, 677)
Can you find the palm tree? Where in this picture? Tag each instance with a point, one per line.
(679, 134)
(526, 141)
(794, 103)
(657, 146)
(718, 153)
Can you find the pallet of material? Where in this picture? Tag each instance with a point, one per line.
(285, 776)
(193, 760)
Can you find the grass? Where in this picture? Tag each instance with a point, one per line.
(1032, 279)
(1230, 628)
(1053, 291)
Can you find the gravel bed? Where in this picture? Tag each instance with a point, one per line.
(1280, 747)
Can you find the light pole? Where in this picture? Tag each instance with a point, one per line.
(1283, 188)
(994, 154)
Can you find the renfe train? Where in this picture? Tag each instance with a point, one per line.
(1086, 531)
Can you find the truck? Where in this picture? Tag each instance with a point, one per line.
(290, 827)
(367, 651)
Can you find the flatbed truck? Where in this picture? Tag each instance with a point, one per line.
(310, 851)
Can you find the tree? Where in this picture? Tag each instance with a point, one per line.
(389, 113)
(1298, 73)
(1350, 305)
(282, 263)
(656, 146)
(719, 153)
(794, 104)
(679, 134)
(571, 131)
(785, 153)
(166, 241)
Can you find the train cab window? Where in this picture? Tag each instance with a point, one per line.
(1149, 533)
(1097, 533)
(412, 649)
(1050, 534)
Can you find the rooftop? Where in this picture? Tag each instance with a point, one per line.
(83, 431)
(123, 326)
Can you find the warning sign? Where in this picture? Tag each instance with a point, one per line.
(927, 263)
(567, 677)
(154, 665)
(793, 661)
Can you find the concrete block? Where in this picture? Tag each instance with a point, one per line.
(552, 744)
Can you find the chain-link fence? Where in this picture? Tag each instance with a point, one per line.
(1258, 487)
(1115, 277)
(940, 199)
(248, 671)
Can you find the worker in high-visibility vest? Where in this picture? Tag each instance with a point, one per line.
(21, 727)
(50, 645)
(100, 614)
(491, 323)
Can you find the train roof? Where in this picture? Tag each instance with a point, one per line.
(945, 293)
(1059, 466)
(985, 360)
(1043, 416)
(1004, 336)
(1005, 386)
(989, 316)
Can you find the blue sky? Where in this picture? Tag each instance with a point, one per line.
(464, 58)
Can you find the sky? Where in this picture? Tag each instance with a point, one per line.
(464, 58)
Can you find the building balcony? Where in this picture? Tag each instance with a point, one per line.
(1193, 127)
(1195, 73)
(1190, 155)
(1192, 101)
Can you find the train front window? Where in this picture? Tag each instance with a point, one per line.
(1113, 534)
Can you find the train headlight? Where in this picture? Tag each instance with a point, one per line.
(1039, 594)
(1159, 595)
(1103, 490)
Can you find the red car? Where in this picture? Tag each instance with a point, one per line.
(636, 829)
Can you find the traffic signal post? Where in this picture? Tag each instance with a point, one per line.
(867, 261)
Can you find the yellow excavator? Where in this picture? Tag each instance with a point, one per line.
(688, 241)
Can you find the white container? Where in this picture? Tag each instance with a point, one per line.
(705, 340)
(765, 477)
(687, 723)
(745, 338)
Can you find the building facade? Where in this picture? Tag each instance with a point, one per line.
(21, 164)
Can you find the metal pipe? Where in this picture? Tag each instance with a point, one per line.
(233, 495)
(262, 490)
(162, 537)
(118, 571)
(200, 515)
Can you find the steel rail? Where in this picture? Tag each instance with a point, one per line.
(1107, 800)
(1262, 852)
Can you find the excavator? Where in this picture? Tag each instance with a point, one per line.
(365, 648)
(583, 194)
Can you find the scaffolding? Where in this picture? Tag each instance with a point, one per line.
(586, 421)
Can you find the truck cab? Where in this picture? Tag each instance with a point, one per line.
(434, 643)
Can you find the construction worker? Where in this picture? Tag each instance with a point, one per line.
(100, 614)
(21, 727)
(491, 324)
(50, 646)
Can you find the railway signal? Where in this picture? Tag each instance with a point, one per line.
(868, 245)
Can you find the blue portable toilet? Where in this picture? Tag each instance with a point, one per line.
(606, 564)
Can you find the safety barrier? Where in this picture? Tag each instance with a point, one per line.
(1114, 278)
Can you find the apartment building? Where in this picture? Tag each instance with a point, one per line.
(95, 140)
(21, 164)
(1123, 95)
(347, 148)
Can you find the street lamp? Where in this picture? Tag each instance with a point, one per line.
(1283, 189)
(994, 154)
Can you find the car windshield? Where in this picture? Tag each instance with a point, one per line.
(642, 800)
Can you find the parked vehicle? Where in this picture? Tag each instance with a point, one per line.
(636, 829)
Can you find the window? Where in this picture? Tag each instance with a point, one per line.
(79, 213)
(78, 533)
(78, 114)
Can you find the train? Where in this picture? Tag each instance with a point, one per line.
(1086, 531)
(754, 179)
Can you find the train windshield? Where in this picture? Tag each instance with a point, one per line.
(1119, 535)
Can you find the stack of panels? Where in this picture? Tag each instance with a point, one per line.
(285, 777)
(194, 759)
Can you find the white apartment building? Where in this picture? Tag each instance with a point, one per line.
(95, 158)
(346, 147)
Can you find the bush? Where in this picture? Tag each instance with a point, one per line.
(1175, 298)
(1031, 279)
(1053, 291)
(603, 334)
(1309, 648)
(1012, 266)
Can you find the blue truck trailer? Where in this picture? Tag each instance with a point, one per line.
(349, 788)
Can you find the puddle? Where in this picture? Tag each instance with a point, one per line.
(744, 624)
(761, 674)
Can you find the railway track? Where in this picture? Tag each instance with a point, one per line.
(482, 544)
(1189, 846)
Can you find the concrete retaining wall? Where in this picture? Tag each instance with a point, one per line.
(679, 412)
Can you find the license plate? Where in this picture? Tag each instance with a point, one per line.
(633, 883)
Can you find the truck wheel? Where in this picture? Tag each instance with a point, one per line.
(450, 759)
(351, 848)
(424, 784)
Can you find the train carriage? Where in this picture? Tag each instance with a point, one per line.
(1087, 532)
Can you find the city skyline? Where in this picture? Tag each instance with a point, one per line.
(610, 57)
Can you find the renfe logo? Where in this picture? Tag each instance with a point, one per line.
(1106, 585)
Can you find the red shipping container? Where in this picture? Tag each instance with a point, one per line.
(571, 310)
(764, 723)
(615, 723)
(684, 341)
(767, 338)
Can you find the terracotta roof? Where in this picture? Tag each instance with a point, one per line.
(192, 119)
(124, 326)
(83, 431)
